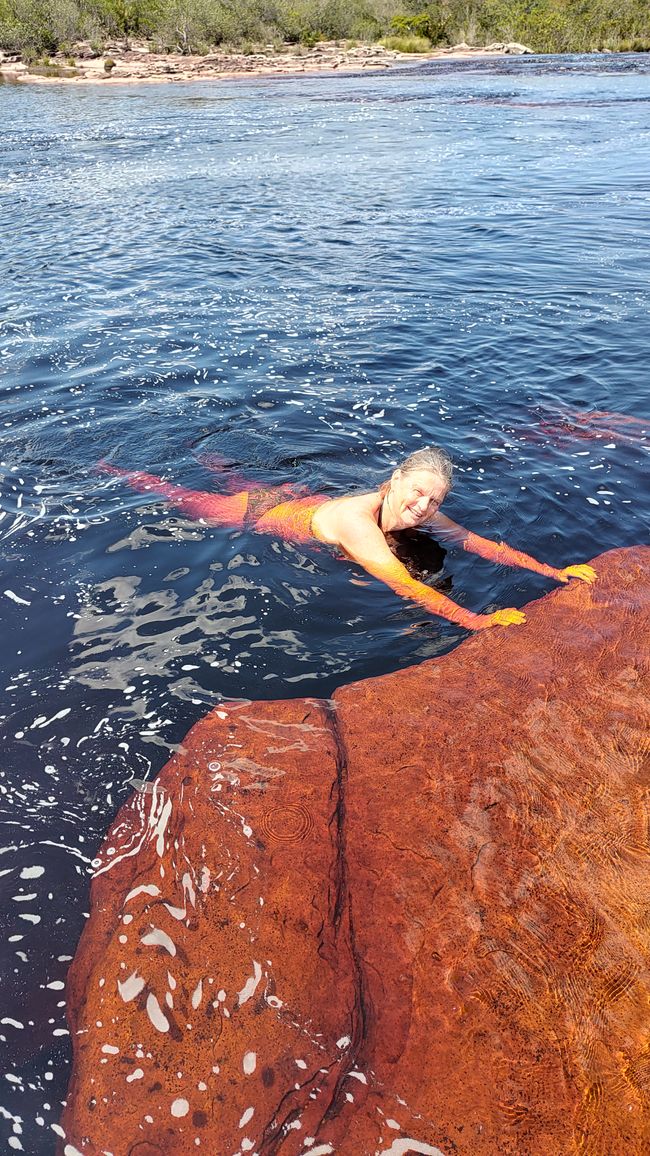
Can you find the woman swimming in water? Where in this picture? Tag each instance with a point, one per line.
(358, 525)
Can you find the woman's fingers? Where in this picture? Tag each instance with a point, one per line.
(583, 572)
(509, 617)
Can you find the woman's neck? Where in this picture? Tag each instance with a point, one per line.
(386, 519)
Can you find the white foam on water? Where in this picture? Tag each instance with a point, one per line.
(158, 938)
(144, 889)
(161, 826)
(188, 888)
(405, 1147)
(156, 1015)
(16, 598)
(250, 986)
(176, 912)
(131, 987)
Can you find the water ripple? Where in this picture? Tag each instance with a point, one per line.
(307, 278)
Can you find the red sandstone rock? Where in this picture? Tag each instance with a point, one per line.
(414, 920)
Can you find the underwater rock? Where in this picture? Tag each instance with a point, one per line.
(411, 920)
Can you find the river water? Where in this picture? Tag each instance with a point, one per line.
(308, 277)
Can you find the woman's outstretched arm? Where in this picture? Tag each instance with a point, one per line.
(365, 544)
(448, 531)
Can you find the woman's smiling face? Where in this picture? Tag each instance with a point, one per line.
(414, 497)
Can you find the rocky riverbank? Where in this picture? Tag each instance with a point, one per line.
(325, 922)
(118, 64)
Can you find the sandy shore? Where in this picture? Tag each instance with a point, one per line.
(138, 65)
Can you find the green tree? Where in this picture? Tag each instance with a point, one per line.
(39, 26)
(416, 20)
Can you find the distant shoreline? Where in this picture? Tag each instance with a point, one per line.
(138, 65)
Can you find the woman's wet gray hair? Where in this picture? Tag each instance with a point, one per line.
(430, 458)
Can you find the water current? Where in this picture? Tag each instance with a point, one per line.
(309, 277)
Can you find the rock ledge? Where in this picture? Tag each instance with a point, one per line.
(410, 920)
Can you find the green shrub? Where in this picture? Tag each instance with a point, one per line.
(52, 70)
(43, 27)
(406, 43)
(309, 21)
(430, 24)
(39, 26)
(109, 64)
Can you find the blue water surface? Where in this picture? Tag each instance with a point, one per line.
(309, 277)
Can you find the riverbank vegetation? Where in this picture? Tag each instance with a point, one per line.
(36, 27)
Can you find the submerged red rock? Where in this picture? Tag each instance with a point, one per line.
(414, 919)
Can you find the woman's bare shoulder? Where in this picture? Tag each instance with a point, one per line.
(333, 518)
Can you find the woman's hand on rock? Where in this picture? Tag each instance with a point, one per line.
(583, 572)
(509, 617)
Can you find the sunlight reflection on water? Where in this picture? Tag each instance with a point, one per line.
(312, 277)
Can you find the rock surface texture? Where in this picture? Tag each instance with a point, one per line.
(415, 919)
